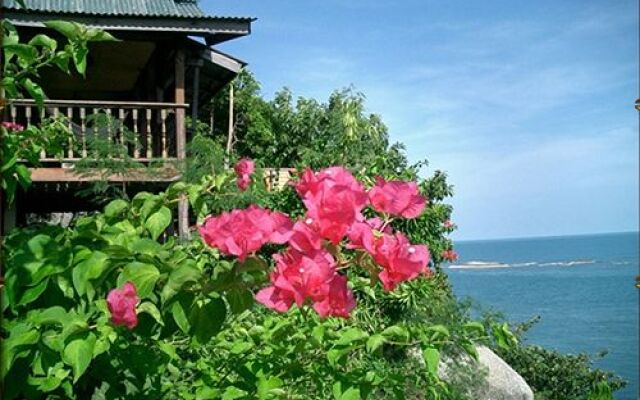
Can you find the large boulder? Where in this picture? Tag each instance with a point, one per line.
(488, 378)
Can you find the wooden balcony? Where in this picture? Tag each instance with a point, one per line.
(136, 131)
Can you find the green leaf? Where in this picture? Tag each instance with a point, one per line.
(78, 354)
(207, 319)
(474, 327)
(115, 208)
(30, 295)
(52, 381)
(65, 286)
(240, 300)
(266, 385)
(26, 54)
(147, 203)
(180, 317)
(146, 246)
(77, 324)
(439, 331)
(336, 389)
(151, 309)
(396, 332)
(374, 342)
(98, 35)
(50, 316)
(182, 274)
(61, 60)
(318, 333)
(94, 265)
(232, 393)
(334, 355)
(24, 176)
(79, 55)
(143, 276)
(351, 335)
(69, 29)
(352, 393)
(158, 222)
(21, 335)
(35, 91)
(431, 356)
(44, 41)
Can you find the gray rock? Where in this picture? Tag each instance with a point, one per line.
(489, 378)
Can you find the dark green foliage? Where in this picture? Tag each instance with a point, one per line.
(22, 63)
(303, 132)
(556, 376)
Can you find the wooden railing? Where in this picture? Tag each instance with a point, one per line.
(148, 131)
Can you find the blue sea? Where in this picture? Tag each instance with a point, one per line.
(583, 287)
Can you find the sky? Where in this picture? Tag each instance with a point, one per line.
(528, 106)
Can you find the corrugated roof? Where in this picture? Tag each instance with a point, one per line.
(133, 8)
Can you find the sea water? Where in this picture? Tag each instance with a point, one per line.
(583, 287)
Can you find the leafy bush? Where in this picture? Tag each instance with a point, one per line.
(556, 376)
(199, 334)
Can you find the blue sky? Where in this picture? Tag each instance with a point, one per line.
(527, 105)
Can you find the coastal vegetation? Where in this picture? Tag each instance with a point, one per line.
(117, 306)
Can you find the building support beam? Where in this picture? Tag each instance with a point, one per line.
(195, 100)
(231, 127)
(181, 142)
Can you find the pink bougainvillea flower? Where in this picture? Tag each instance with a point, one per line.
(298, 277)
(306, 275)
(449, 255)
(304, 238)
(245, 166)
(242, 232)
(362, 235)
(122, 305)
(334, 200)
(448, 224)
(275, 298)
(244, 169)
(339, 302)
(12, 126)
(243, 182)
(400, 260)
(397, 198)
(311, 182)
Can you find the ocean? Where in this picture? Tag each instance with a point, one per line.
(583, 287)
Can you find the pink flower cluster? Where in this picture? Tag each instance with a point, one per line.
(449, 255)
(242, 232)
(122, 305)
(12, 126)
(308, 270)
(244, 169)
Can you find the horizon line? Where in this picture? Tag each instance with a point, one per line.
(545, 236)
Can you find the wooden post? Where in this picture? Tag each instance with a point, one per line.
(230, 131)
(181, 139)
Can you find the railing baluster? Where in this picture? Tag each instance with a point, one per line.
(14, 113)
(56, 115)
(163, 117)
(136, 150)
(83, 130)
(95, 131)
(43, 152)
(27, 115)
(123, 140)
(71, 137)
(109, 126)
(149, 144)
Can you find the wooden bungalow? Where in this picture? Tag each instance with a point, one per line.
(164, 66)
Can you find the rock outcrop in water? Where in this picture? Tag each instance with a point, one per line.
(488, 378)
